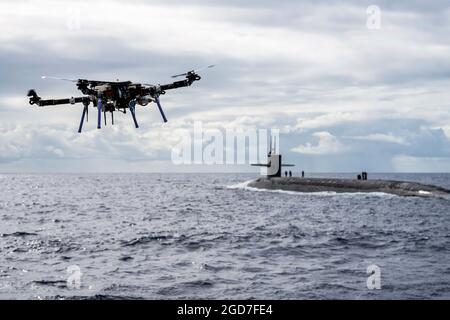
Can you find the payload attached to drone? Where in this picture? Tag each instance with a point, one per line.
(110, 96)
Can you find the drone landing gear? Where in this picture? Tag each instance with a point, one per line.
(99, 115)
(132, 106)
(160, 109)
(85, 113)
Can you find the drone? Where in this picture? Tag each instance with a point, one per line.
(110, 96)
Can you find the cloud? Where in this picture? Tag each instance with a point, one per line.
(60, 142)
(446, 130)
(308, 68)
(381, 137)
(406, 163)
(327, 144)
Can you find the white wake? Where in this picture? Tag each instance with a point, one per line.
(244, 186)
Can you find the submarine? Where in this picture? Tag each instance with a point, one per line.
(272, 180)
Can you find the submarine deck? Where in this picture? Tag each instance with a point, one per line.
(401, 188)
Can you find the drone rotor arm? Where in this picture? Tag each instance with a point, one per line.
(180, 84)
(35, 99)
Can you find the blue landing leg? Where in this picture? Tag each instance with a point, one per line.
(160, 109)
(99, 110)
(85, 111)
(132, 106)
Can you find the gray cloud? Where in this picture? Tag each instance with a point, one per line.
(304, 67)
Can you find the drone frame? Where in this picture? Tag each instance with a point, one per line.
(109, 96)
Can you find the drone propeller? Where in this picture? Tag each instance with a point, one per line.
(56, 78)
(193, 71)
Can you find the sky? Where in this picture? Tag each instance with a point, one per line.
(347, 93)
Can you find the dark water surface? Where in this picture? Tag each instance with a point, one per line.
(205, 236)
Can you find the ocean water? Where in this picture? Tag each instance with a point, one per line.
(205, 236)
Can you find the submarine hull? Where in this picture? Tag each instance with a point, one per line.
(400, 188)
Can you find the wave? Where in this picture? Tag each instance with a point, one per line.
(18, 234)
(51, 283)
(244, 186)
(95, 297)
